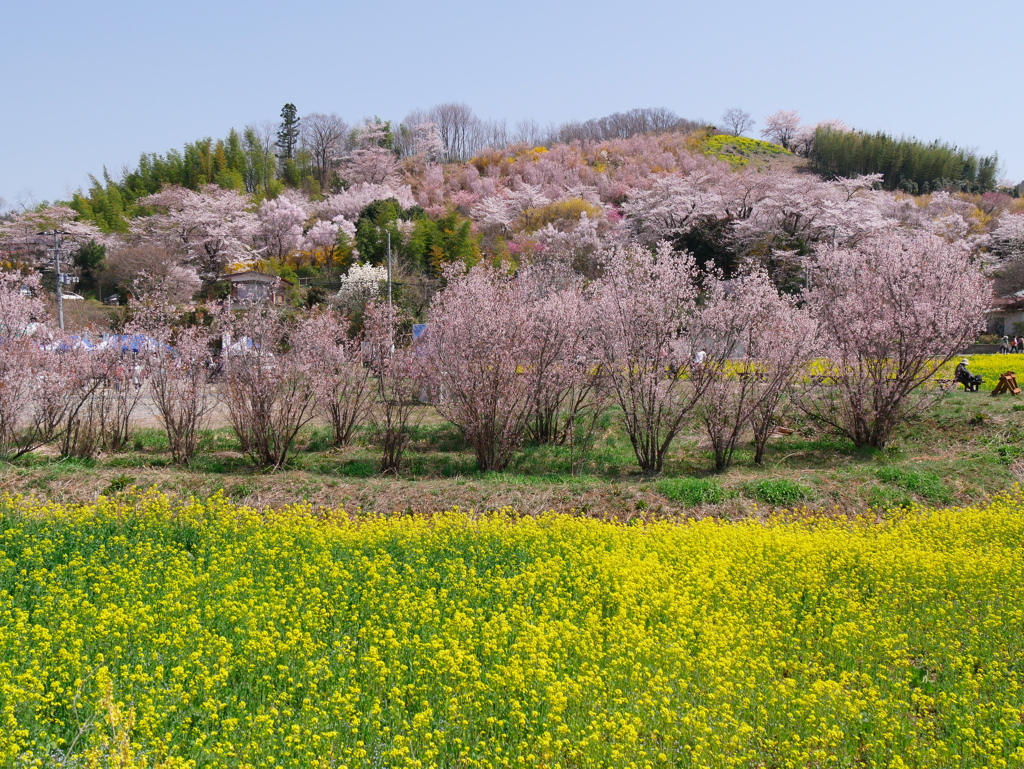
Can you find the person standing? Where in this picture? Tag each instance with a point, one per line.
(1004, 345)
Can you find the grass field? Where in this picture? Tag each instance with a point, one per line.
(969, 447)
(140, 632)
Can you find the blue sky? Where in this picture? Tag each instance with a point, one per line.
(95, 84)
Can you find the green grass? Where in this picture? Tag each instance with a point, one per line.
(924, 483)
(118, 484)
(780, 492)
(691, 492)
(948, 456)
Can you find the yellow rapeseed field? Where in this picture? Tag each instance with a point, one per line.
(144, 632)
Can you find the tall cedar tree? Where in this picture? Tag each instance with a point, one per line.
(288, 133)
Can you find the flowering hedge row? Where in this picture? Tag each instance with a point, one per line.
(143, 632)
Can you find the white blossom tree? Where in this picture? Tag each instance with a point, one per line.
(782, 127)
(211, 228)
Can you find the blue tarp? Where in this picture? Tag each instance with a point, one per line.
(73, 343)
(134, 342)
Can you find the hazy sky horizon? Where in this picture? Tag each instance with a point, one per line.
(95, 85)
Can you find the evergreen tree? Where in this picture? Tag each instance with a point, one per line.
(288, 134)
(437, 242)
(91, 260)
(375, 222)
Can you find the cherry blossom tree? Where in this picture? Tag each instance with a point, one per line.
(373, 161)
(151, 268)
(211, 228)
(427, 141)
(782, 127)
(20, 358)
(495, 213)
(479, 332)
(797, 212)
(340, 376)
(281, 222)
(372, 165)
(647, 306)
(20, 304)
(328, 242)
(762, 340)
(674, 205)
(782, 342)
(77, 394)
(27, 224)
(178, 381)
(22, 238)
(431, 189)
(177, 361)
(65, 407)
(1008, 237)
(559, 362)
(579, 246)
(268, 386)
(351, 202)
(562, 361)
(727, 314)
(891, 312)
(115, 400)
(396, 383)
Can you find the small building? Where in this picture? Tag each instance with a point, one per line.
(1006, 315)
(251, 287)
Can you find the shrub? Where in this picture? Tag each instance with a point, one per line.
(570, 210)
(691, 492)
(780, 491)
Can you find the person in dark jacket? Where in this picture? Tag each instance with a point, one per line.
(971, 382)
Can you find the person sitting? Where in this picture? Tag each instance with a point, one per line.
(971, 382)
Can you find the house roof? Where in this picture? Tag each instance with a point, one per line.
(1011, 303)
(251, 276)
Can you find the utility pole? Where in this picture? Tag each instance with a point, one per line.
(389, 268)
(60, 276)
(392, 350)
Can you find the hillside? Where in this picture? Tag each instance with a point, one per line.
(233, 204)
